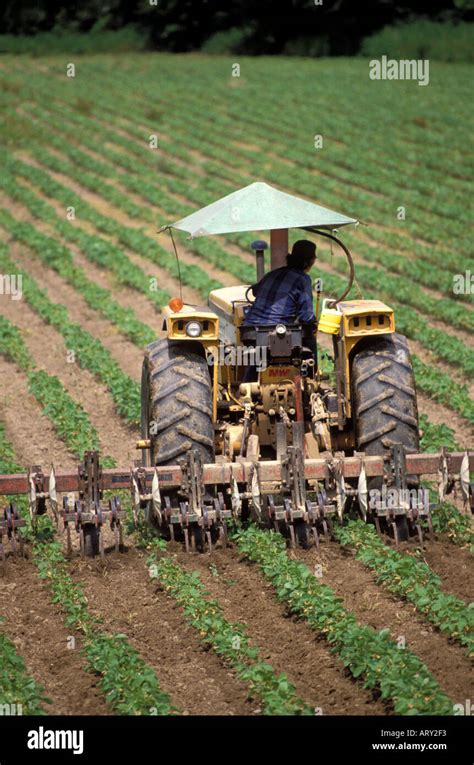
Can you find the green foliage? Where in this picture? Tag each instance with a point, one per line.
(17, 688)
(448, 520)
(228, 639)
(68, 417)
(411, 579)
(90, 352)
(13, 346)
(434, 437)
(373, 656)
(129, 684)
(60, 41)
(422, 38)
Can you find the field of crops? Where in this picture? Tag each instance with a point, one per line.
(92, 165)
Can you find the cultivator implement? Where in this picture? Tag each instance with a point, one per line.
(194, 502)
(87, 514)
(10, 521)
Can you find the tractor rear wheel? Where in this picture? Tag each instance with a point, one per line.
(176, 402)
(384, 402)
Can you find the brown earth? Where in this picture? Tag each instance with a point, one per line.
(374, 605)
(289, 645)
(128, 601)
(35, 625)
(453, 565)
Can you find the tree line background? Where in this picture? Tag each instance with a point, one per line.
(337, 27)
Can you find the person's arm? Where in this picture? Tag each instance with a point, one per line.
(305, 302)
(256, 287)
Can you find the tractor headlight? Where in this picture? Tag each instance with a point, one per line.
(193, 329)
(280, 329)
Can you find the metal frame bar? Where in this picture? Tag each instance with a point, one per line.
(171, 476)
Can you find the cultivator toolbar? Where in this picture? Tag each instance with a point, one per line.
(193, 502)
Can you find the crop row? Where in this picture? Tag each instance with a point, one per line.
(413, 247)
(371, 278)
(438, 385)
(60, 259)
(134, 238)
(175, 82)
(435, 383)
(407, 266)
(90, 353)
(67, 416)
(229, 640)
(265, 136)
(129, 684)
(267, 126)
(19, 692)
(442, 346)
(373, 656)
(411, 579)
(458, 527)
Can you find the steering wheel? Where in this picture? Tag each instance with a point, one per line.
(247, 295)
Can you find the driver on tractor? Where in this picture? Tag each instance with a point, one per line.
(284, 296)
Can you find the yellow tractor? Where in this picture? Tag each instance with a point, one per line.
(240, 421)
(251, 447)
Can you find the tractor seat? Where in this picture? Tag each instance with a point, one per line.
(282, 340)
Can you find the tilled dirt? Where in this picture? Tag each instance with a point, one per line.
(453, 565)
(286, 643)
(31, 434)
(374, 605)
(128, 601)
(35, 625)
(48, 350)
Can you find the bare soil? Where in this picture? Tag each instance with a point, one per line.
(35, 626)
(379, 608)
(288, 644)
(128, 601)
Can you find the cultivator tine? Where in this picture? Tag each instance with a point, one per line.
(209, 541)
(292, 536)
(186, 539)
(156, 497)
(236, 500)
(193, 540)
(443, 476)
(395, 533)
(68, 541)
(102, 543)
(325, 530)
(53, 497)
(377, 525)
(223, 537)
(255, 491)
(362, 492)
(464, 481)
(10, 521)
(420, 533)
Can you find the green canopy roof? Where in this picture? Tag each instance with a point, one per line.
(258, 207)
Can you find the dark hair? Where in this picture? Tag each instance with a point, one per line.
(303, 254)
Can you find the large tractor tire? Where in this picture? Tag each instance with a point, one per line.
(176, 403)
(384, 402)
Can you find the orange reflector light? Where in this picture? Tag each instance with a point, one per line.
(176, 304)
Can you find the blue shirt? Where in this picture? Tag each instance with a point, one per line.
(283, 295)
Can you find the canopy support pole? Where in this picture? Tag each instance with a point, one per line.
(279, 247)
